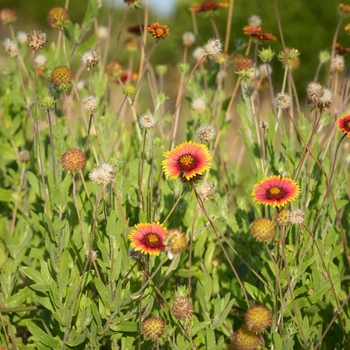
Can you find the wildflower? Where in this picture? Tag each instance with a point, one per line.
(57, 17)
(341, 50)
(148, 238)
(206, 133)
(133, 4)
(129, 90)
(199, 105)
(187, 160)
(344, 10)
(73, 160)
(275, 191)
(257, 34)
(262, 229)
(7, 16)
(266, 55)
(22, 37)
(282, 218)
(208, 6)
(258, 318)
(90, 59)
(325, 98)
(89, 104)
(158, 31)
(212, 48)
(11, 47)
(297, 217)
(147, 121)
(114, 69)
(37, 39)
(246, 340)
(182, 306)
(206, 190)
(175, 241)
(188, 39)
(343, 124)
(337, 64)
(244, 67)
(153, 327)
(62, 78)
(102, 32)
(126, 76)
(102, 174)
(283, 101)
(136, 29)
(319, 96)
(254, 21)
(289, 57)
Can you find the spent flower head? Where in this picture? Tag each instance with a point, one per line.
(283, 101)
(11, 47)
(244, 339)
(62, 78)
(21, 37)
(199, 53)
(258, 318)
(40, 61)
(282, 218)
(206, 133)
(89, 103)
(199, 105)
(153, 327)
(103, 174)
(147, 121)
(175, 241)
(7, 16)
(297, 217)
(254, 21)
(262, 229)
(73, 160)
(338, 63)
(212, 48)
(188, 39)
(206, 191)
(90, 59)
(57, 17)
(36, 39)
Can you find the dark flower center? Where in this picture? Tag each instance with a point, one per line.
(347, 125)
(275, 193)
(152, 240)
(187, 162)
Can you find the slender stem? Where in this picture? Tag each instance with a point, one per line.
(52, 147)
(174, 206)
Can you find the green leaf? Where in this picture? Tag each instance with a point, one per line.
(211, 343)
(277, 341)
(6, 195)
(34, 184)
(254, 292)
(43, 337)
(126, 327)
(33, 274)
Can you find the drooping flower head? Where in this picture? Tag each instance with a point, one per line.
(257, 34)
(187, 160)
(148, 238)
(208, 6)
(343, 124)
(57, 17)
(276, 191)
(158, 31)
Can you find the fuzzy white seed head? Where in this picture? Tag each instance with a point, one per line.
(213, 48)
(103, 174)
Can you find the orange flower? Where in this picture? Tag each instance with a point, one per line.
(257, 34)
(158, 31)
(208, 6)
(343, 124)
(148, 238)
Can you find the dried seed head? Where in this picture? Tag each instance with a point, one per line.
(213, 48)
(314, 91)
(89, 104)
(21, 37)
(147, 121)
(102, 32)
(90, 59)
(325, 99)
(283, 101)
(40, 61)
(73, 160)
(297, 217)
(206, 190)
(258, 318)
(7, 16)
(176, 241)
(36, 39)
(23, 156)
(337, 64)
(199, 54)
(188, 39)
(246, 340)
(282, 218)
(262, 229)
(103, 174)
(264, 71)
(153, 327)
(199, 105)
(254, 21)
(62, 78)
(11, 47)
(182, 308)
(57, 17)
(206, 133)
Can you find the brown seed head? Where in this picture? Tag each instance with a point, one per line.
(246, 340)
(62, 77)
(258, 318)
(182, 308)
(36, 39)
(176, 241)
(73, 160)
(262, 229)
(282, 218)
(153, 327)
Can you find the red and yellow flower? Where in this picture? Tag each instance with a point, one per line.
(159, 31)
(208, 6)
(257, 34)
(343, 124)
(187, 160)
(276, 191)
(148, 238)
